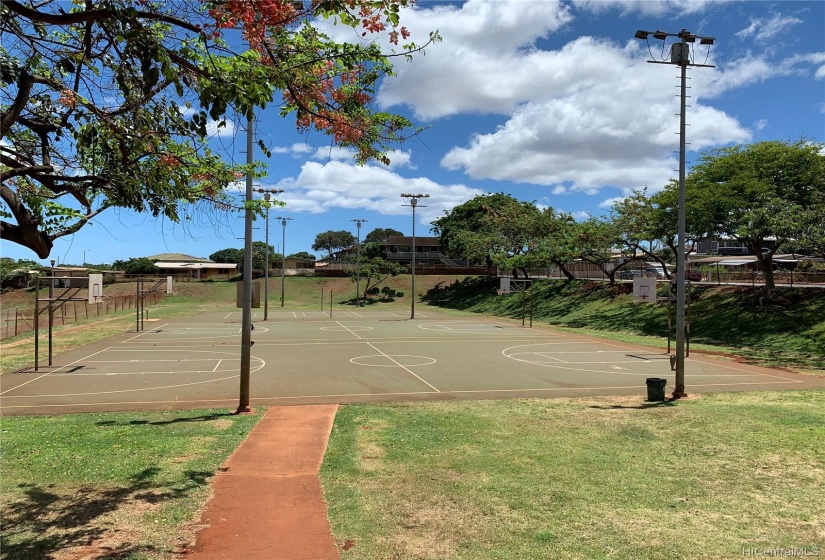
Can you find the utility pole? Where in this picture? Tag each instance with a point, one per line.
(680, 56)
(358, 263)
(246, 315)
(267, 194)
(283, 254)
(413, 202)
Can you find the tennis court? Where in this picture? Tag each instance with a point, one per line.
(301, 357)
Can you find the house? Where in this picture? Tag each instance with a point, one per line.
(294, 266)
(727, 246)
(179, 264)
(427, 251)
(69, 276)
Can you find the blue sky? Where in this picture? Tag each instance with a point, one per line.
(551, 102)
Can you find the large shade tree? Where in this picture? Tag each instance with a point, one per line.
(765, 190)
(558, 244)
(496, 229)
(380, 235)
(333, 241)
(106, 103)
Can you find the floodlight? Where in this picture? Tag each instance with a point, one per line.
(660, 35)
(690, 38)
(642, 34)
(707, 41)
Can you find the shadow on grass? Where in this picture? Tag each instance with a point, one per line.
(204, 418)
(642, 406)
(42, 523)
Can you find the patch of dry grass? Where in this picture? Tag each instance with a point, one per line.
(579, 478)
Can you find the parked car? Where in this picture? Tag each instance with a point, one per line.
(693, 275)
(657, 273)
(631, 274)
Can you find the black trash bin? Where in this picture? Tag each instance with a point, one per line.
(656, 388)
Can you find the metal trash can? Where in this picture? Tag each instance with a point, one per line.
(656, 388)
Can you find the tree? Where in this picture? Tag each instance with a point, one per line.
(229, 256)
(259, 259)
(373, 271)
(302, 255)
(751, 193)
(136, 266)
(596, 239)
(333, 241)
(380, 235)
(558, 244)
(494, 228)
(106, 103)
(647, 225)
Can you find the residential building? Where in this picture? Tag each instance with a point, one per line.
(179, 264)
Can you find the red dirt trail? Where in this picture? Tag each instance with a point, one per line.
(267, 501)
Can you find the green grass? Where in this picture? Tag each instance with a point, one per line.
(128, 481)
(786, 330)
(579, 478)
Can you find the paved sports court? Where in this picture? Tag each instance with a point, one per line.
(312, 357)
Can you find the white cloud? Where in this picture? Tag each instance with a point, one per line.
(767, 28)
(608, 203)
(320, 187)
(753, 69)
(333, 153)
(578, 118)
(228, 130)
(646, 7)
(482, 42)
(590, 114)
(604, 118)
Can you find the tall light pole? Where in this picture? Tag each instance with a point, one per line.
(283, 254)
(680, 56)
(267, 193)
(358, 263)
(84, 256)
(246, 315)
(413, 202)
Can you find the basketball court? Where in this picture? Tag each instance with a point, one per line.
(302, 357)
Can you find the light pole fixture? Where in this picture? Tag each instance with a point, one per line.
(267, 194)
(680, 56)
(283, 254)
(414, 203)
(358, 263)
(84, 256)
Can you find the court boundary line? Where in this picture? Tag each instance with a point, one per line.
(260, 400)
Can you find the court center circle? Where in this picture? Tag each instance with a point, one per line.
(346, 329)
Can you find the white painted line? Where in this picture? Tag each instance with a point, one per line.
(126, 390)
(348, 330)
(49, 373)
(408, 370)
(217, 366)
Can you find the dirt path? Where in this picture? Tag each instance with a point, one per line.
(267, 500)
